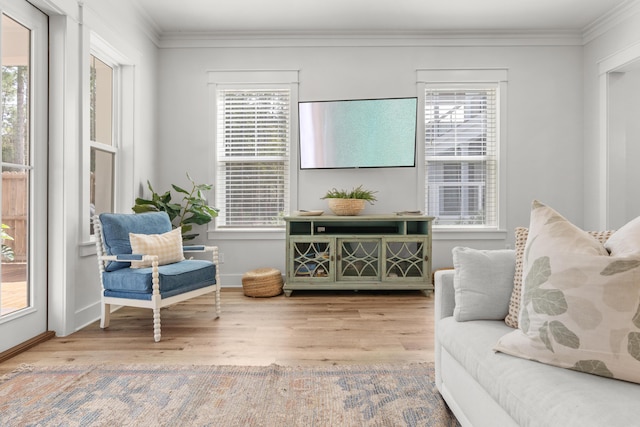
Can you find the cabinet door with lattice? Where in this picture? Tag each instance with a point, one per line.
(358, 259)
(406, 259)
(311, 259)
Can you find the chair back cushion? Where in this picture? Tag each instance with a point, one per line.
(116, 229)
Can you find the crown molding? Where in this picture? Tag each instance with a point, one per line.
(610, 20)
(148, 26)
(372, 39)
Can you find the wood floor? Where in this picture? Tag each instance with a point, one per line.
(333, 327)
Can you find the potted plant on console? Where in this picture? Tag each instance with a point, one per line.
(343, 202)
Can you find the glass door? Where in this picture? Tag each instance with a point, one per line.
(23, 187)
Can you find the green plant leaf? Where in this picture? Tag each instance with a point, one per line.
(166, 197)
(544, 336)
(636, 318)
(548, 301)
(187, 237)
(197, 218)
(141, 201)
(145, 208)
(633, 347)
(596, 367)
(356, 193)
(179, 189)
(563, 335)
(620, 266)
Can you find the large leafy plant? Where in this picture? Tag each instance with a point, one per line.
(7, 251)
(193, 209)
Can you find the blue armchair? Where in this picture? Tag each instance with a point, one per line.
(157, 278)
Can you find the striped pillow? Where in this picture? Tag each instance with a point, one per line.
(167, 246)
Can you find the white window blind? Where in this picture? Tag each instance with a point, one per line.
(252, 173)
(461, 156)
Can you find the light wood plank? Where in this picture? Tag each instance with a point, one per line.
(308, 328)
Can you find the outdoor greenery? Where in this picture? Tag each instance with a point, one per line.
(7, 252)
(356, 193)
(15, 116)
(193, 209)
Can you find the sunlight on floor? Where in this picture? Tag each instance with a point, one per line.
(14, 293)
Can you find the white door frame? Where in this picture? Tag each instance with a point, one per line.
(611, 204)
(23, 325)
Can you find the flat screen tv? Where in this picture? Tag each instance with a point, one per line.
(360, 133)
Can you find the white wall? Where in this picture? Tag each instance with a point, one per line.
(549, 106)
(74, 286)
(543, 142)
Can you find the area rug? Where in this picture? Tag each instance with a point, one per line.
(135, 395)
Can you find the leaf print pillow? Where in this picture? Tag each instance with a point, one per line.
(580, 307)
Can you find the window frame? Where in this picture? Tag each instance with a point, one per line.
(460, 79)
(124, 92)
(115, 125)
(254, 80)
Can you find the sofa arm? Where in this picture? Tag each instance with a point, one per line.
(444, 294)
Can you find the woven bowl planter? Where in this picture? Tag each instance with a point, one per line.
(346, 207)
(262, 282)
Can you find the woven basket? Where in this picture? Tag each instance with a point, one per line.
(346, 207)
(262, 282)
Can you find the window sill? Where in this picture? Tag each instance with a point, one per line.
(247, 234)
(469, 234)
(87, 248)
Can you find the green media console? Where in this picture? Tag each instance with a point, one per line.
(358, 252)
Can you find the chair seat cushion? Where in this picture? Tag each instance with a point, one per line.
(174, 279)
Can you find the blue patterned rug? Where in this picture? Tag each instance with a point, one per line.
(344, 395)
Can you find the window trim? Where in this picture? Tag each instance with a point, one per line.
(464, 78)
(253, 79)
(123, 129)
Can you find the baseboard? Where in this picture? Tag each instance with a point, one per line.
(14, 351)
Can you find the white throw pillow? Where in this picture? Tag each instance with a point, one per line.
(625, 241)
(580, 307)
(167, 246)
(483, 280)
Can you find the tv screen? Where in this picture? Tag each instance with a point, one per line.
(363, 133)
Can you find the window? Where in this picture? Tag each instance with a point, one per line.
(253, 134)
(101, 140)
(461, 162)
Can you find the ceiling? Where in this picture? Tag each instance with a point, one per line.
(373, 16)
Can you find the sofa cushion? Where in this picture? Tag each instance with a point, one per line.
(521, 234)
(174, 279)
(483, 280)
(166, 246)
(116, 229)
(535, 394)
(580, 307)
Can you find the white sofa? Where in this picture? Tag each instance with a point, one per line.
(487, 388)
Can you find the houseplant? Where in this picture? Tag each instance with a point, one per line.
(343, 202)
(7, 251)
(193, 209)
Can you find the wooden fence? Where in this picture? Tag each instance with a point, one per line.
(15, 209)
